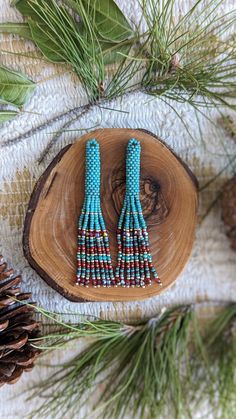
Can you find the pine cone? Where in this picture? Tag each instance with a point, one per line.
(228, 205)
(17, 325)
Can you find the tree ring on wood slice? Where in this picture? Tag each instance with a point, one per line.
(168, 197)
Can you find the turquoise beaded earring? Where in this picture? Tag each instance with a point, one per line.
(134, 261)
(93, 255)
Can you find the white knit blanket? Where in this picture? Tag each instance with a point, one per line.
(210, 273)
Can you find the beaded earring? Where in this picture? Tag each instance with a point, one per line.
(134, 262)
(93, 255)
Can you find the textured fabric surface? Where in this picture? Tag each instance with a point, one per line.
(210, 273)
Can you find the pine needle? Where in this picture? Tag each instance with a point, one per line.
(221, 345)
(191, 60)
(138, 366)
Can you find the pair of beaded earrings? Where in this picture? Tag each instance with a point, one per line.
(134, 262)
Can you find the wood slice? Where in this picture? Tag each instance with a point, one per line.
(168, 197)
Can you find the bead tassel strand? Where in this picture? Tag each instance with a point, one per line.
(134, 261)
(93, 253)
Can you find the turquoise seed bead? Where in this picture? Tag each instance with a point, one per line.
(134, 262)
(93, 254)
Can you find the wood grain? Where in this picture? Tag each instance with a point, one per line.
(168, 197)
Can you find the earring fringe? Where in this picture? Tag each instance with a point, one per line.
(134, 261)
(93, 253)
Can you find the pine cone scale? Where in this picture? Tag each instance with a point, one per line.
(23, 359)
(10, 283)
(228, 206)
(17, 343)
(3, 266)
(3, 269)
(7, 300)
(6, 274)
(3, 325)
(7, 369)
(13, 378)
(8, 314)
(17, 326)
(28, 327)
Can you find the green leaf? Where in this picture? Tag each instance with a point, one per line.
(15, 88)
(112, 52)
(110, 22)
(44, 40)
(24, 7)
(6, 115)
(46, 33)
(107, 18)
(21, 29)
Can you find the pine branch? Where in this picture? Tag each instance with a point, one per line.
(84, 110)
(190, 60)
(143, 367)
(73, 114)
(41, 127)
(220, 385)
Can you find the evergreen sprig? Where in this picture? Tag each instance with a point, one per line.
(193, 59)
(143, 368)
(167, 366)
(87, 35)
(221, 347)
(189, 60)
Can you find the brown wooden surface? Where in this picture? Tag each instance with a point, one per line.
(169, 201)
